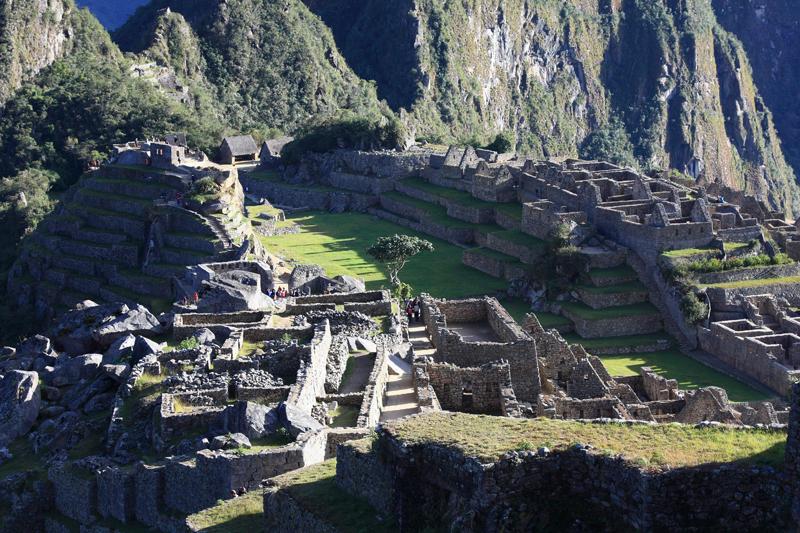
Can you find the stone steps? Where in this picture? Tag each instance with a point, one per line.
(399, 399)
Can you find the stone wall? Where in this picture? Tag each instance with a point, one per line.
(471, 390)
(284, 515)
(435, 486)
(742, 274)
(737, 344)
(372, 405)
(496, 267)
(312, 373)
(614, 327)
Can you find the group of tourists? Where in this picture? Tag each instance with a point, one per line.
(281, 292)
(413, 310)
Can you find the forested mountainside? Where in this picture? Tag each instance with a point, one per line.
(686, 84)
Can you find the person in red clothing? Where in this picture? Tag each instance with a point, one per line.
(196, 297)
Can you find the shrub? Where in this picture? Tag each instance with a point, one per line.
(719, 265)
(694, 310)
(189, 343)
(360, 133)
(504, 142)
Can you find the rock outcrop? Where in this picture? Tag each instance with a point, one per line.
(20, 399)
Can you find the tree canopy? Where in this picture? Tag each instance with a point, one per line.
(395, 251)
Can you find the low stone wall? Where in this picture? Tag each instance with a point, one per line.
(360, 472)
(754, 358)
(185, 324)
(372, 405)
(285, 194)
(284, 515)
(615, 327)
(312, 373)
(472, 390)
(597, 300)
(743, 274)
(491, 265)
(431, 482)
(524, 253)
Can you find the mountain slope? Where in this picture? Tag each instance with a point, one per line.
(555, 71)
(271, 64)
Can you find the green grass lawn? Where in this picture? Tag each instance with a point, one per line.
(690, 252)
(315, 489)
(616, 342)
(494, 254)
(749, 283)
(339, 242)
(689, 373)
(244, 514)
(489, 437)
(460, 197)
(522, 239)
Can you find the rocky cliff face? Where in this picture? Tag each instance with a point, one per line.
(33, 34)
(692, 82)
(554, 72)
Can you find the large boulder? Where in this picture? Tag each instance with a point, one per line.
(303, 275)
(136, 320)
(20, 400)
(296, 421)
(122, 348)
(90, 327)
(204, 336)
(253, 419)
(74, 370)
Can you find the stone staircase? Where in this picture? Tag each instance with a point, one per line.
(399, 399)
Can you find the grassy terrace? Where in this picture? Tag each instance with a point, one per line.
(438, 214)
(239, 515)
(488, 438)
(690, 252)
(315, 489)
(494, 254)
(523, 239)
(623, 271)
(628, 286)
(339, 242)
(617, 342)
(460, 197)
(621, 311)
(749, 283)
(689, 373)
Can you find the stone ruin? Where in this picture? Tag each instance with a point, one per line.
(485, 363)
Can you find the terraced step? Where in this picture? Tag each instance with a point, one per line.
(602, 277)
(656, 342)
(114, 202)
(618, 321)
(631, 292)
(141, 283)
(180, 256)
(107, 220)
(522, 246)
(131, 188)
(494, 263)
(192, 241)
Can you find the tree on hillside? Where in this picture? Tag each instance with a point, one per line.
(395, 252)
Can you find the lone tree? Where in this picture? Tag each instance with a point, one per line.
(395, 252)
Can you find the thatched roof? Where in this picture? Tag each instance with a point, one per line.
(240, 145)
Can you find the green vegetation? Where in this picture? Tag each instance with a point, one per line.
(462, 198)
(617, 342)
(204, 190)
(720, 265)
(628, 286)
(610, 143)
(689, 373)
(489, 437)
(749, 283)
(344, 416)
(244, 514)
(689, 252)
(395, 251)
(339, 242)
(315, 489)
(359, 133)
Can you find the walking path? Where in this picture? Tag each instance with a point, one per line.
(399, 399)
